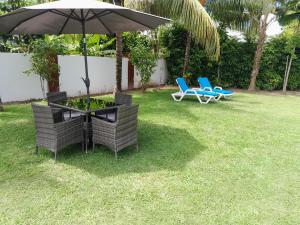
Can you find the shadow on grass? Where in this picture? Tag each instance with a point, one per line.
(160, 148)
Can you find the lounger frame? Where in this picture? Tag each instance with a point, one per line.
(178, 96)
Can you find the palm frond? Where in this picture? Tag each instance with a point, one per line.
(242, 15)
(190, 13)
(289, 11)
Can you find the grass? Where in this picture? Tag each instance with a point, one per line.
(233, 162)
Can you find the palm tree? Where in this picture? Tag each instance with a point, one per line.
(188, 46)
(289, 14)
(247, 16)
(192, 15)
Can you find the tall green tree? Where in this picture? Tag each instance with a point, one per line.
(249, 16)
(289, 15)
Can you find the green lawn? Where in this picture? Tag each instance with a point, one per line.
(232, 162)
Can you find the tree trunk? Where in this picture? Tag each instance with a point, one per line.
(286, 77)
(53, 82)
(187, 53)
(259, 51)
(203, 2)
(119, 55)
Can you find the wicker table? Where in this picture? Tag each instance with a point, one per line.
(88, 132)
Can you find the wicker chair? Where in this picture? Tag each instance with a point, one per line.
(52, 134)
(123, 99)
(120, 134)
(56, 97)
(60, 97)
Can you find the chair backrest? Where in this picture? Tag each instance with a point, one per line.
(123, 99)
(127, 115)
(43, 116)
(204, 82)
(182, 84)
(56, 97)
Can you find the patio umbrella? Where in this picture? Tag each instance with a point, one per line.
(77, 17)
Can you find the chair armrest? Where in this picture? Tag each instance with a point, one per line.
(70, 124)
(104, 123)
(207, 89)
(56, 110)
(192, 90)
(220, 88)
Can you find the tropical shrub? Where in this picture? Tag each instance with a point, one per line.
(235, 65)
(143, 58)
(43, 54)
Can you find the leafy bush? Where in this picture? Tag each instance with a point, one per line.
(270, 80)
(43, 60)
(142, 56)
(235, 65)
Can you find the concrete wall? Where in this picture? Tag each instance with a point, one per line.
(16, 86)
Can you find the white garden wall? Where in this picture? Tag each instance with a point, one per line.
(16, 86)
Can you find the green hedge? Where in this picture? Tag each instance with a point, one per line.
(234, 68)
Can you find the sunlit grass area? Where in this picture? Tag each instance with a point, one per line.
(232, 162)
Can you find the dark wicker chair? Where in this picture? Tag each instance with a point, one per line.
(120, 134)
(56, 97)
(123, 99)
(54, 134)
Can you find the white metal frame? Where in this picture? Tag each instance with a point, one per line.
(219, 88)
(178, 96)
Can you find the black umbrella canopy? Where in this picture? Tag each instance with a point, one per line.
(66, 17)
(77, 17)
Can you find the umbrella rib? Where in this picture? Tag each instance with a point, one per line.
(67, 20)
(104, 13)
(102, 22)
(133, 20)
(23, 21)
(77, 16)
(62, 14)
(88, 12)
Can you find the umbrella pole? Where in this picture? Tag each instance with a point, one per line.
(86, 80)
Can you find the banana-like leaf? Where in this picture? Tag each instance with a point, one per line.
(289, 12)
(191, 14)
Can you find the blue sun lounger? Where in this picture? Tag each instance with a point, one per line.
(204, 97)
(206, 86)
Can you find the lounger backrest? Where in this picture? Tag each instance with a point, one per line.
(204, 82)
(182, 84)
